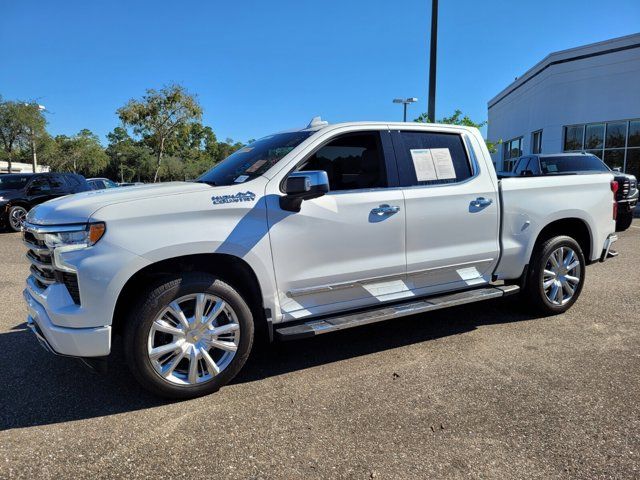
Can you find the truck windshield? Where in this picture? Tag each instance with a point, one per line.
(572, 164)
(13, 182)
(254, 159)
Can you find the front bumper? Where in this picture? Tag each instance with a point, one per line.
(606, 251)
(74, 342)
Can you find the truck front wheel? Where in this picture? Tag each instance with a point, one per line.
(188, 336)
(556, 275)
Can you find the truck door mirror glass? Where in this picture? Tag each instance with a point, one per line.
(617, 169)
(301, 186)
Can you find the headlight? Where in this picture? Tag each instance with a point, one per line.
(73, 238)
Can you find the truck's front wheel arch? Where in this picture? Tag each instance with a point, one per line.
(232, 270)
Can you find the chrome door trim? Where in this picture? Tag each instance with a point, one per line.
(297, 292)
(453, 265)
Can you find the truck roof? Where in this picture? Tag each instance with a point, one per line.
(318, 124)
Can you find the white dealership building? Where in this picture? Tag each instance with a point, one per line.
(582, 99)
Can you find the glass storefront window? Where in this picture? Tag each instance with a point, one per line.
(573, 137)
(634, 134)
(633, 162)
(616, 135)
(597, 153)
(594, 136)
(617, 143)
(614, 158)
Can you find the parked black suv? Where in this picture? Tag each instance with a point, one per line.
(19, 192)
(568, 163)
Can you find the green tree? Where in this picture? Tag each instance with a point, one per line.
(34, 128)
(129, 159)
(10, 129)
(81, 153)
(158, 116)
(463, 120)
(21, 125)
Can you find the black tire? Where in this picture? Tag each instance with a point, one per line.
(534, 290)
(623, 222)
(142, 316)
(12, 213)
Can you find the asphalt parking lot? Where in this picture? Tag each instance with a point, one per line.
(482, 391)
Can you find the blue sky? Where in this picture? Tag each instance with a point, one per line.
(261, 66)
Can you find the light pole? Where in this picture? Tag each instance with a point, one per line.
(405, 102)
(32, 134)
(431, 108)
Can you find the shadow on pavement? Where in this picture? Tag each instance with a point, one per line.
(39, 388)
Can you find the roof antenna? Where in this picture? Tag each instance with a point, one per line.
(317, 122)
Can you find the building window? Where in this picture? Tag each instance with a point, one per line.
(511, 150)
(616, 143)
(594, 136)
(536, 142)
(573, 138)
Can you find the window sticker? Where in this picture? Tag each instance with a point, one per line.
(241, 178)
(443, 163)
(423, 164)
(255, 166)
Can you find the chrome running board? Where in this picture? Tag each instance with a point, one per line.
(313, 327)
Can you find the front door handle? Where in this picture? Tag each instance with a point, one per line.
(385, 210)
(481, 202)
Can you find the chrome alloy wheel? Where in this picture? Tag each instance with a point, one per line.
(193, 339)
(561, 275)
(17, 217)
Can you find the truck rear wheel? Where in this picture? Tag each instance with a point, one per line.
(189, 336)
(556, 275)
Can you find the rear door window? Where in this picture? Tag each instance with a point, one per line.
(40, 185)
(58, 185)
(431, 158)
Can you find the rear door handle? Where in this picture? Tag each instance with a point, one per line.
(481, 202)
(385, 210)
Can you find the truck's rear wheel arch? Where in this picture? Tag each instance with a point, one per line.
(571, 227)
(233, 270)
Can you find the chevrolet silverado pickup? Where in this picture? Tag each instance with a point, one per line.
(303, 233)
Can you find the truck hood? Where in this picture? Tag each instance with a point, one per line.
(78, 208)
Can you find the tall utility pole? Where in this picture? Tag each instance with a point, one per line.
(431, 110)
(32, 137)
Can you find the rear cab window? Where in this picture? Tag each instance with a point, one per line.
(431, 158)
(572, 164)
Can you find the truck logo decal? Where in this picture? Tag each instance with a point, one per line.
(238, 197)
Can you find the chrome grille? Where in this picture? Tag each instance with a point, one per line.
(43, 273)
(40, 257)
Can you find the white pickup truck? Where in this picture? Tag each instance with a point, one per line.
(302, 233)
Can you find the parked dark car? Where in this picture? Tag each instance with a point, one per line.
(568, 163)
(101, 183)
(19, 192)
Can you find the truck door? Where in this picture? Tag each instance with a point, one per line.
(451, 208)
(345, 249)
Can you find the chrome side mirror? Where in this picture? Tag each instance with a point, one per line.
(301, 186)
